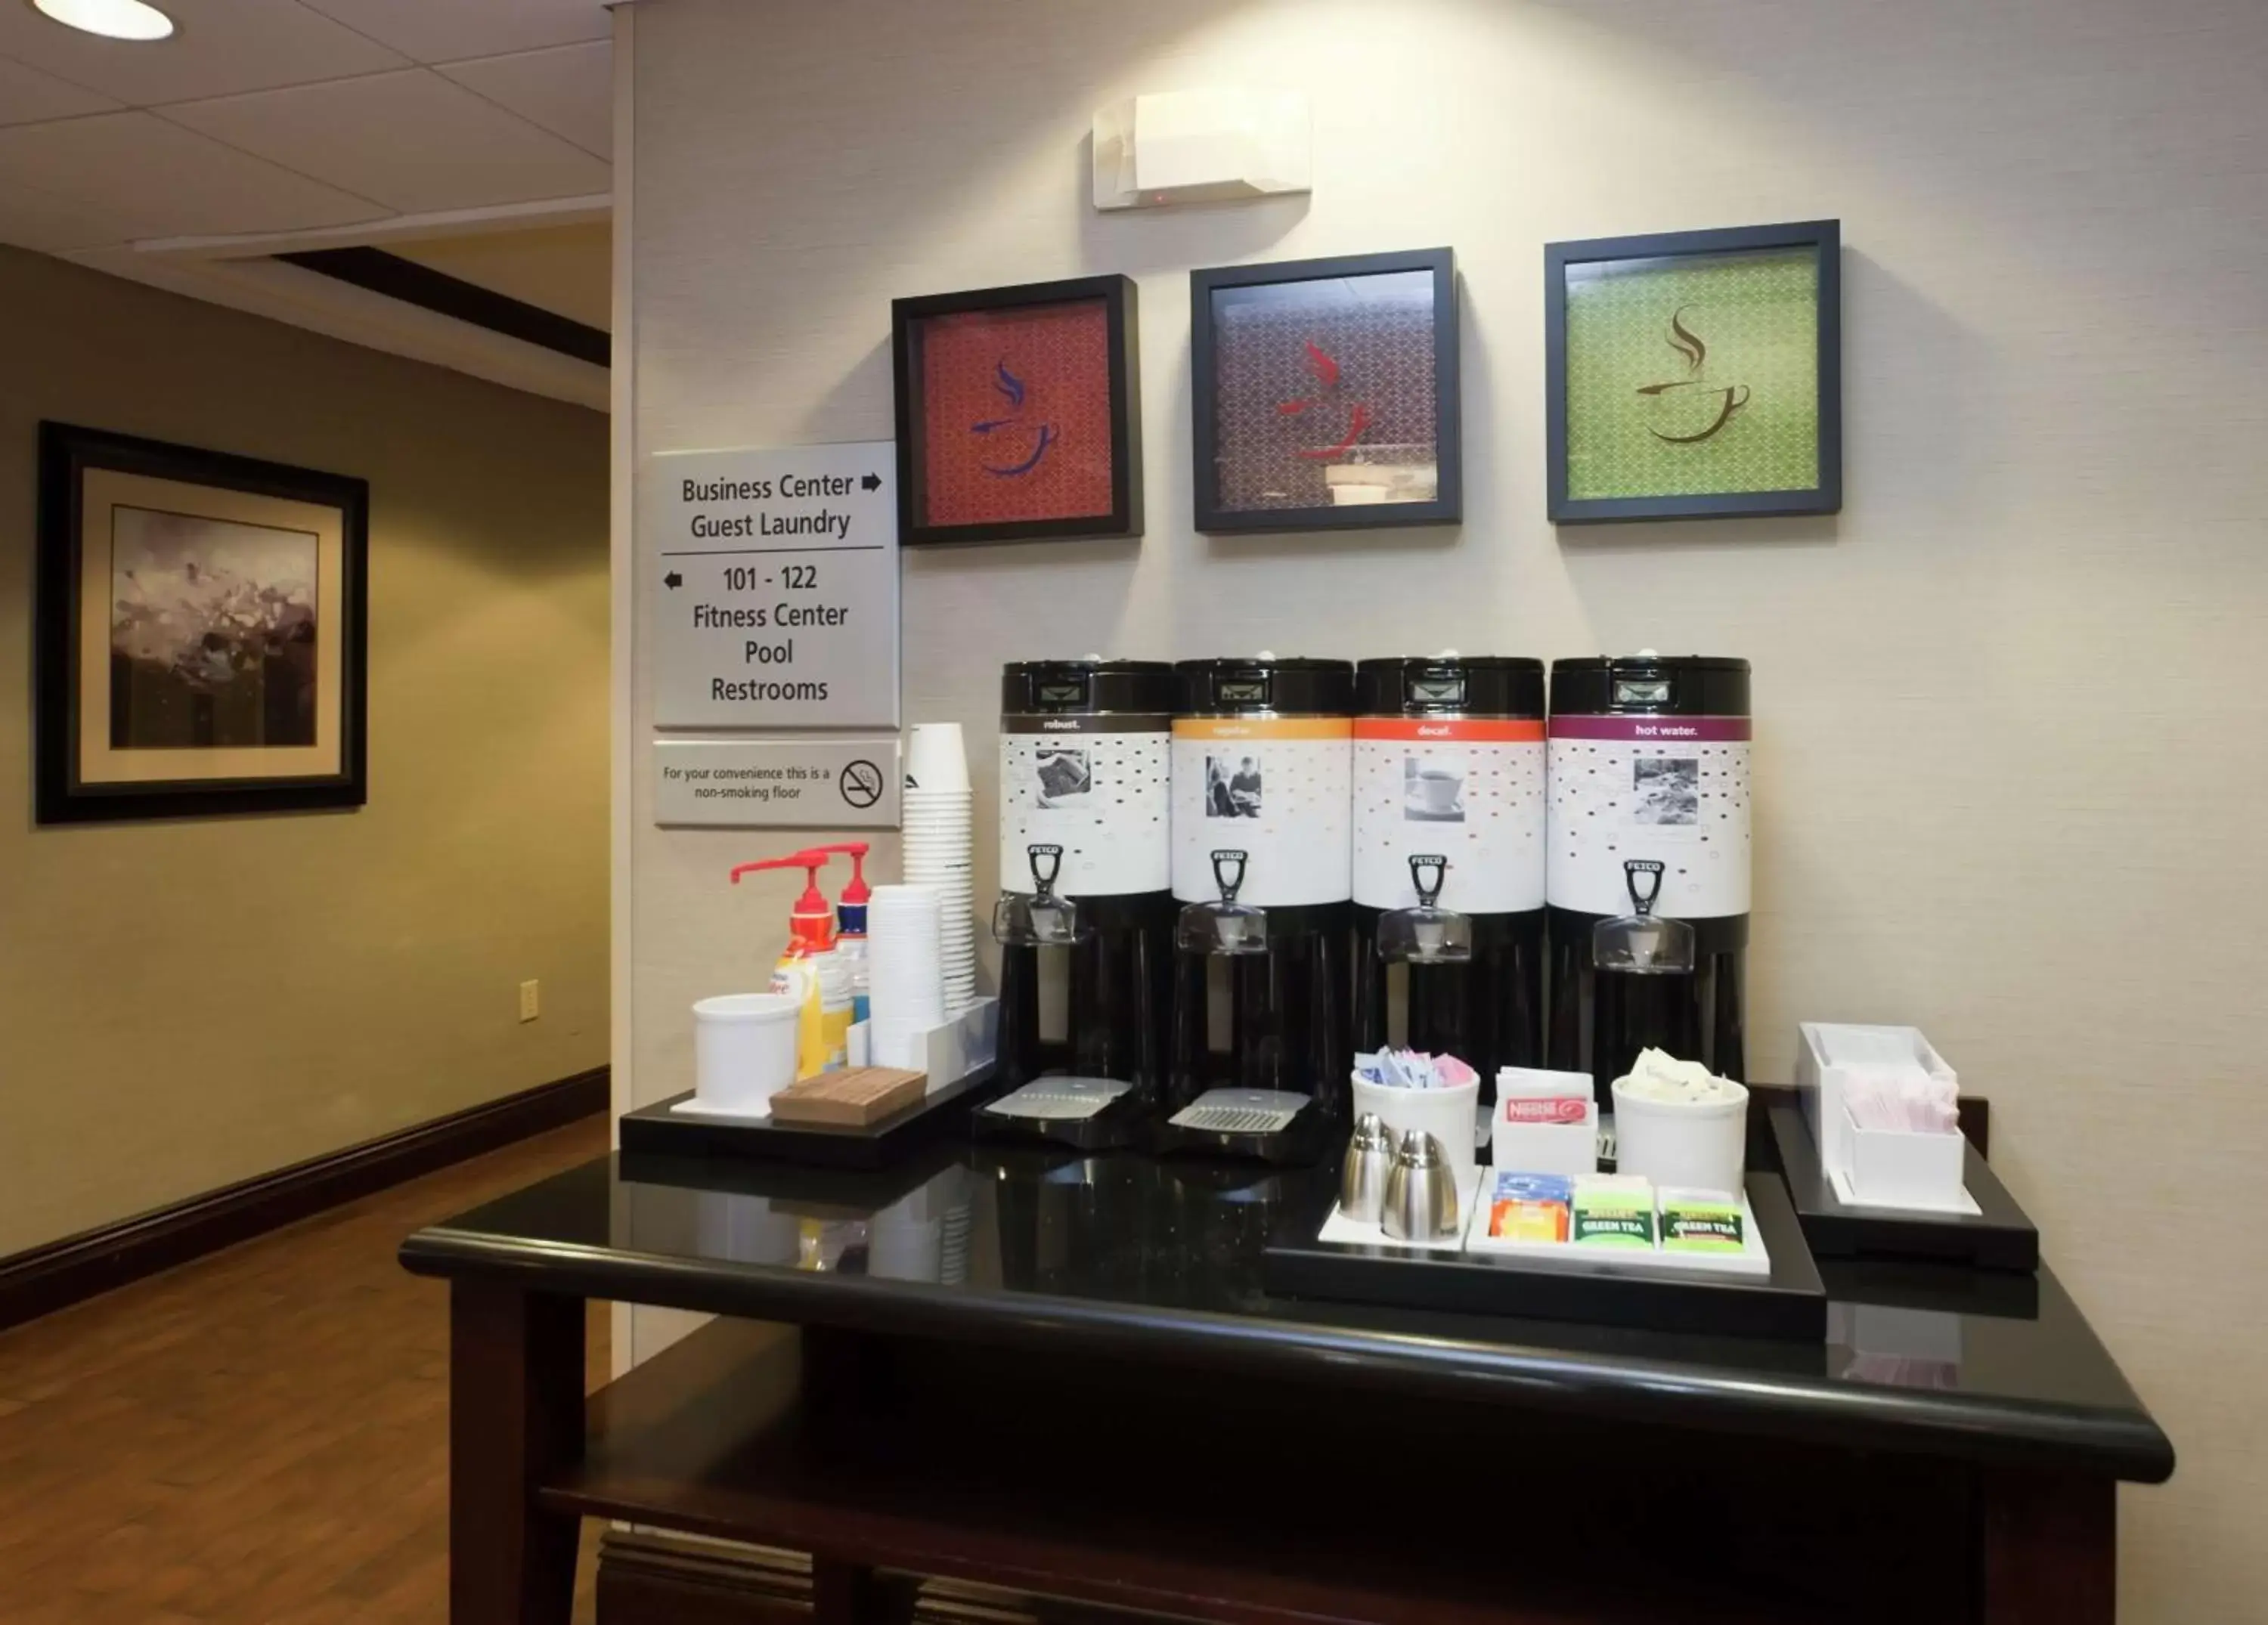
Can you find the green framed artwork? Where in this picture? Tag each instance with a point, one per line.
(1694, 374)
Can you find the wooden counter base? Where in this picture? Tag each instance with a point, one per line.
(1208, 1496)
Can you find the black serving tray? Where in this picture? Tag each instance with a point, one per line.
(659, 1130)
(1790, 1304)
(2000, 1238)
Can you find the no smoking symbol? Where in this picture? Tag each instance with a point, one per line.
(861, 783)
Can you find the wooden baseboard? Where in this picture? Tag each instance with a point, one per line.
(47, 1278)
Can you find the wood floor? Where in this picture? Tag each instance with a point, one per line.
(260, 1436)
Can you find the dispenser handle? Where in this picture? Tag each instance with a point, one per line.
(811, 861)
(1044, 880)
(1229, 885)
(1420, 865)
(1642, 901)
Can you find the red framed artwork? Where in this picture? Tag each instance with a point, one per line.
(1016, 415)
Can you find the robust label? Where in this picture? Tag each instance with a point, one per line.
(1277, 788)
(1666, 790)
(1097, 786)
(770, 579)
(777, 783)
(1470, 788)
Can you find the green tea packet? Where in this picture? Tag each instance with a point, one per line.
(1614, 1211)
(1701, 1221)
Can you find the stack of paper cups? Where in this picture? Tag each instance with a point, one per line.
(905, 979)
(939, 823)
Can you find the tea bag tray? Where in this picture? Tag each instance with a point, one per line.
(1556, 1281)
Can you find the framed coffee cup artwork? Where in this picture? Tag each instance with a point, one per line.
(1019, 413)
(1326, 394)
(200, 634)
(1694, 374)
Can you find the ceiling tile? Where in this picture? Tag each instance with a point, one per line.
(438, 31)
(570, 91)
(151, 179)
(31, 219)
(411, 140)
(27, 96)
(223, 46)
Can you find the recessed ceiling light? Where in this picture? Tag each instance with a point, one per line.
(113, 20)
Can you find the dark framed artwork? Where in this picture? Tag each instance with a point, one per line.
(1019, 413)
(1694, 374)
(200, 633)
(1326, 394)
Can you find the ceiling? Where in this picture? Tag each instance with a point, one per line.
(472, 135)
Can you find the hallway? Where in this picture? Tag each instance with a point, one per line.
(259, 1435)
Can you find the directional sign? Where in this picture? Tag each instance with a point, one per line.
(770, 581)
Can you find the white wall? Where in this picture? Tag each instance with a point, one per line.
(2009, 731)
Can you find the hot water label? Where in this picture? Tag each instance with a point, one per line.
(1277, 788)
(1672, 789)
(1470, 788)
(1098, 786)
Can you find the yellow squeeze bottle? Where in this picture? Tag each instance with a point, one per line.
(797, 973)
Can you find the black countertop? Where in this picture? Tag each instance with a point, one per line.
(1130, 1257)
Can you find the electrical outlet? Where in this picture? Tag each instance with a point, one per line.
(531, 1000)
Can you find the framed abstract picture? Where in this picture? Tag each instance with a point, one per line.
(1019, 413)
(200, 632)
(1694, 374)
(1326, 394)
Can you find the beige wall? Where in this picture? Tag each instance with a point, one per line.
(2009, 702)
(187, 1003)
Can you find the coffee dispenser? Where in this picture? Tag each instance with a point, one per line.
(1086, 914)
(1448, 857)
(1647, 862)
(1263, 762)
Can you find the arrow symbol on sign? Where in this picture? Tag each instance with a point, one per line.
(872, 482)
(673, 581)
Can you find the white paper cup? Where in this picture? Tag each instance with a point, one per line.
(743, 1049)
(935, 757)
(1450, 1115)
(1681, 1145)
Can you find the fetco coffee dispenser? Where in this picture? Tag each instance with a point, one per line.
(1086, 914)
(1262, 759)
(1448, 857)
(1647, 867)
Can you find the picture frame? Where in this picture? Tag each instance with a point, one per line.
(1019, 412)
(200, 632)
(1360, 349)
(1645, 417)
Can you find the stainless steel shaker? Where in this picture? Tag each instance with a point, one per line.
(1421, 1192)
(1363, 1175)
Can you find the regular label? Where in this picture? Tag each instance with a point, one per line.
(770, 580)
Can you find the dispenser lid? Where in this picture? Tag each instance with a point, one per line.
(1258, 683)
(1448, 685)
(1651, 685)
(1087, 687)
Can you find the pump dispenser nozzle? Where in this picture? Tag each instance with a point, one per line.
(856, 894)
(811, 921)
